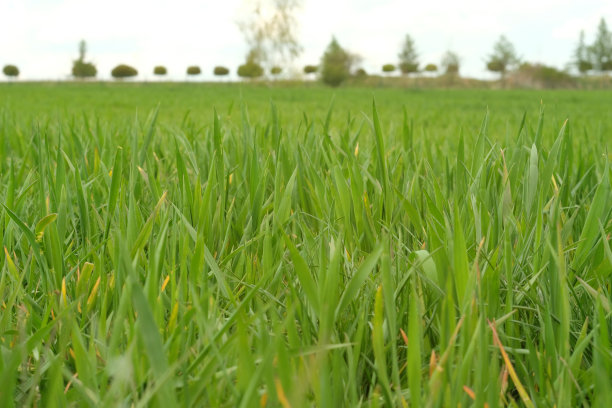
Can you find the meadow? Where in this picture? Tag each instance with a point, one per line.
(251, 245)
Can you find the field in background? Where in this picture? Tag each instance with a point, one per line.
(282, 253)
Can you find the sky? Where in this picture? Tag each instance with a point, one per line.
(41, 36)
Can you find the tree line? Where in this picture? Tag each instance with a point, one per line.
(272, 42)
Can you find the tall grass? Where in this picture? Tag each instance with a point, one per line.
(328, 265)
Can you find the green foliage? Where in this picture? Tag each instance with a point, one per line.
(81, 68)
(503, 58)
(123, 71)
(276, 70)
(582, 56)
(310, 69)
(336, 64)
(220, 71)
(431, 68)
(361, 73)
(408, 57)
(451, 63)
(408, 68)
(388, 68)
(601, 49)
(11, 71)
(160, 70)
(250, 70)
(542, 76)
(193, 70)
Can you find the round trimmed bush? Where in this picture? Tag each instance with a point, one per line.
(194, 70)
(408, 68)
(276, 70)
(160, 70)
(310, 69)
(361, 73)
(11, 71)
(250, 70)
(431, 68)
(388, 68)
(82, 69)
(220, 71)
(124, 71)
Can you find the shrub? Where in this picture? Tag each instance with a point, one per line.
(194, 70)
(335, 64)
(160, 70)
(82, 69)
(11, 71)
(408, 68)
(123, 71)
(220, 71)
(541, 76)
(388, 68)
(451, 62)
(431, 68)
(361, 73)
(276, 70)
(310, 69)
(250, 70)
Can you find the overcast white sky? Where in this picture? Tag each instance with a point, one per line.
(41, 36)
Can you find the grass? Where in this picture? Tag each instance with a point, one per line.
(262, 256)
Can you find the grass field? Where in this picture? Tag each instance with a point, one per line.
(225, 245)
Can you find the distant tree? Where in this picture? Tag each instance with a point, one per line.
(336, 64)
(431, 68)
(160, 70)
(388, 68)
(11, 71)
(361, 73)
(310, 69)
(451, 63)
(81, 68)
(270, 29)
(503, 57)
(581, 58)
(251, 68)
(123, 71)
(601, 50)
(276, 70)
(220, 71)
(193, 70)
(408, 57)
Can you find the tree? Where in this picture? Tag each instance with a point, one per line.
(408, 57)
(193, 70)
(251, 68)
(451, 63)
(160, 70)
(581, 56)
(123, 71)
(336, 64)
(503, 57)
(361, 73)
(11, 71)
(388, 68)
(220, 71)
(270, 30)
(310, 69)
(601, 50)
(81, 68)
(431, 68)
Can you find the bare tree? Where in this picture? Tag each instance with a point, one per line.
(270, 29)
